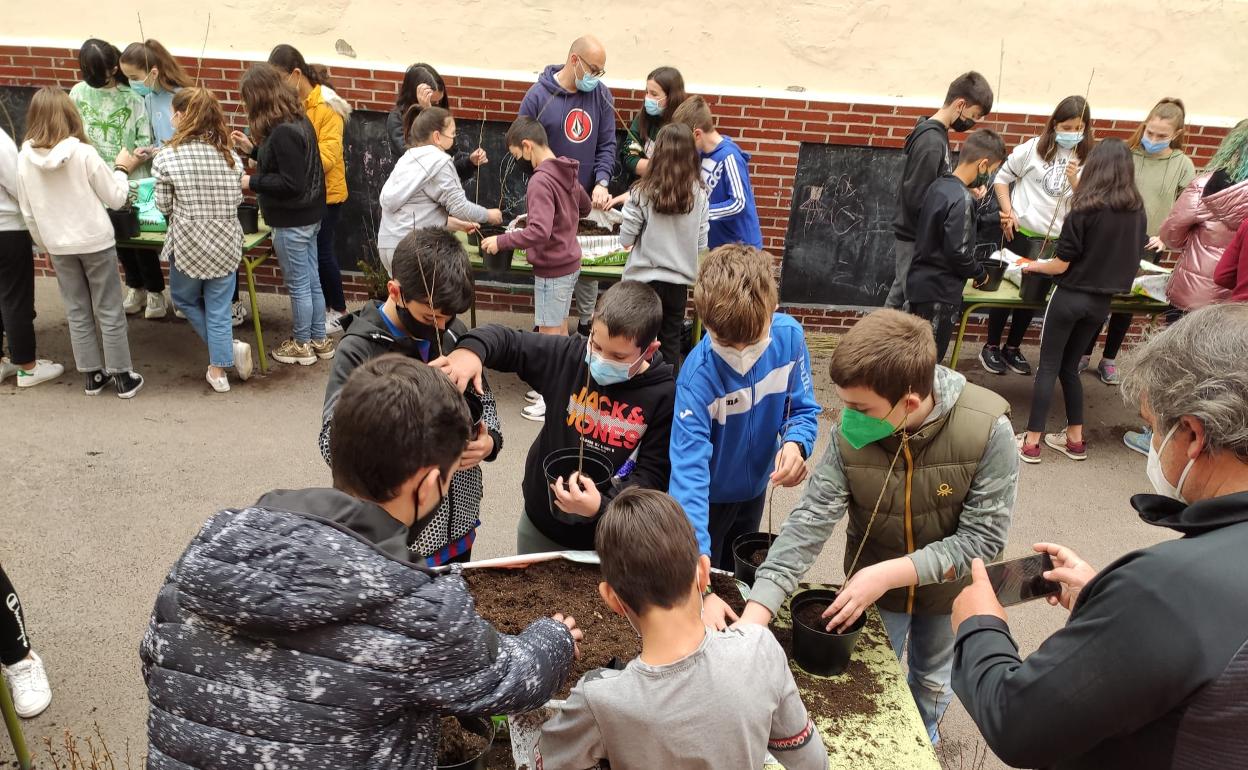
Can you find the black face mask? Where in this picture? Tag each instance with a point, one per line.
(524, 166)
(417, 329)
(962, 124)
(421, 523)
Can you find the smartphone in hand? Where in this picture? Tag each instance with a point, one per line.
(1021, 580)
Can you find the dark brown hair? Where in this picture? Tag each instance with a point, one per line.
(1169, 109)
(648, 550)
(151, 53)
(673, 84)
(982, 144)
(526, 128)
(98, 61)
(633, 310)
(52, 118)
(974, 88)
(1067, 109)
(417, 75)
(419, 125)
(888, 352)
(1108, 180)
(269, 99)
(433, 257)
(394, 417)
(288, 59)
(735, 294)
(675, 171)
(202, 121)
(695, 113)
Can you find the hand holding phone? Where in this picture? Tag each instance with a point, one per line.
(1021, 580)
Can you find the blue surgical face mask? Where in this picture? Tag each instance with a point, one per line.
(1068, 139)
(587, 82)
(607, 372)
(1152, 148)
(140, 88)
(653, 108)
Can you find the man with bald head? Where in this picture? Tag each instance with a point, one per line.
(578, 113)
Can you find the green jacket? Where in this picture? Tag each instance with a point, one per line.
(113, 118)
(633, 149)
(949, 501)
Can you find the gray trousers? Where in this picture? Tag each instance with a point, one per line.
(586, 299)
(91, 291)
(530, 540)
(903, 252)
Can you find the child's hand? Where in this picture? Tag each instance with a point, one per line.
(579, 497)
(602, 197)
(490, 245)
(754, 614)
(979, 192)
(618, 200)
(577, 634)
(241, 141)
(1072, 173)
(863, 589)
(478, 449)
(127, 160)
(1155, 244)
(716, 613)
(463, 367)
(494, 216)
(1009, 224)
(462, 226)
(790, 467)
(246, 183)
(478, 157)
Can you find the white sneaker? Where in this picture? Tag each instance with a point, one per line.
(156, 306)
(535, 412)
(242, 360)
(238, 314)
(44, 370)
(177, 312)
(7, 369)
(333, 322)
(134, 300)
(220, 384)
(28, 681)
(533, 397)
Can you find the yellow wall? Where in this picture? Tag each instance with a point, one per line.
(870, 51)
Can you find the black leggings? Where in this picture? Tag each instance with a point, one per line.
(14, 645)
(1119, 324)
(17, 295)
(728, 521)
(997, 318)
(1071, 320)
(142, 269)
(674, 297)
(944, 319)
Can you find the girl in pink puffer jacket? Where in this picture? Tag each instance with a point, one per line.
(1204, 220)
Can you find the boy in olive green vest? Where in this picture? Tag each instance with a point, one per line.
(942, 451)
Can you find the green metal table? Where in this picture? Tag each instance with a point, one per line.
(251, 241)
(1007, 297)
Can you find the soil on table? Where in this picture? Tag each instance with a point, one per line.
(849, 696)
(458, 745)
(758, 557)
(511, 599)
(726, 588)
(590, 227)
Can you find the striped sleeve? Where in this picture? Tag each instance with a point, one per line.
(735, 203)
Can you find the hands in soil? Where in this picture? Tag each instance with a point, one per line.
(1068, 569)
(716, 613)
(863, 589)
(577, 634)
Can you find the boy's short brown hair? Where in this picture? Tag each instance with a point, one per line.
(736, 293)
(523, 128)
(694, 113)
(648, 550)
(890, 353)
(631, 309)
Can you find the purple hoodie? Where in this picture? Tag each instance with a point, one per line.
(556, 204)
(578, 124)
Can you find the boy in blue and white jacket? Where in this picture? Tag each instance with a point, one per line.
(746, 412)
(725, 170)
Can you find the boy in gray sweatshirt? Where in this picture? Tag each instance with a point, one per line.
(732, 691)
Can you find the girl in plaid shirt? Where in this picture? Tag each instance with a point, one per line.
(199, 187)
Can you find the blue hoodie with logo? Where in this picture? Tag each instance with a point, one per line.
(734, 219)
(728, 427)
(579, 124)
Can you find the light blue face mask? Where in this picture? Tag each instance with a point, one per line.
(1068, 139)
(587, 82)
(607, 372)
(1152, 148)
(653, 108)
(140, 88)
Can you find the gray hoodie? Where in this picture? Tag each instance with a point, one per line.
(665, 246)
(982, 525)
(421, 191)
(62, 192)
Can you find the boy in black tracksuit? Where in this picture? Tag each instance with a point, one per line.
(432, 283)
(944, 253)
(968, 100)
(614, 389)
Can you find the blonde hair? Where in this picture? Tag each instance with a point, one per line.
(736, 293)
(695, 113)
(202, 121)
(888, 352)
(53, 118)
(1169, 109)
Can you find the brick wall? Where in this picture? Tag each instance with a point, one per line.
(770, 129)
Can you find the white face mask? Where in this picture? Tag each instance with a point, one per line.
(741, 361)
(1158, 477)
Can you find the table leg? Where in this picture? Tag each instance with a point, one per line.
(14, 725)
(472, 312)
(957, 344)
(249, 267)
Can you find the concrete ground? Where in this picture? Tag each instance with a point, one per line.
(103, 495)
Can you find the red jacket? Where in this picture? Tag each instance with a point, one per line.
(556, 202)
(1232, 272)
(1201, 227)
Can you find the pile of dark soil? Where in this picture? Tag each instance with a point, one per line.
(759, 556)
(458, 745)
(850, 695)
(590, 227)
(811, 614)
(726, 588)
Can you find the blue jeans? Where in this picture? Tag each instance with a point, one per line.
(930, 661)
(552, 299)
(206, 304)
(296, 253)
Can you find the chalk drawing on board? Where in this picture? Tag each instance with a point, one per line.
(842, 210)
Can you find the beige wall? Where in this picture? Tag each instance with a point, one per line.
(906, 50)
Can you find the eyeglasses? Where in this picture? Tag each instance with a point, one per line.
(597, 72)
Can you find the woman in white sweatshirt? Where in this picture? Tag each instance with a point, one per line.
(63, 187)
(424, 189)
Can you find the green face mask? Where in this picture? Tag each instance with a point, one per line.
(860, 429)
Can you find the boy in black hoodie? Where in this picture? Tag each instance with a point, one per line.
(432, 284)
(968, 100)
(944, 245)
(614, 391)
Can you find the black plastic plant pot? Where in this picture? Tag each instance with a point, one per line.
(476, 409)
(996, 271)
(814, 649)
(125, 222)
(563, 463)
(1034, 287)
(249, 217)
(495, 263)
(743, 550)
(487, 730)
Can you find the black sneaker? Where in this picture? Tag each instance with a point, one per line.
(584, 329)
(1015, 361)
(990, 359)
(97, 381)
(128, 384)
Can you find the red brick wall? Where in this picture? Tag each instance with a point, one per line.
(771, 129)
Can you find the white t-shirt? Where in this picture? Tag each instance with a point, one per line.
(1040, 186)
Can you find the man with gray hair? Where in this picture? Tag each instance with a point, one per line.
(1151, 670)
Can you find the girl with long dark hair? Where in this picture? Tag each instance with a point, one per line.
(423, 87)
(665, 90)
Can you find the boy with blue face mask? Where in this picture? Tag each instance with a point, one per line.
(613, 391)
(923, 464)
